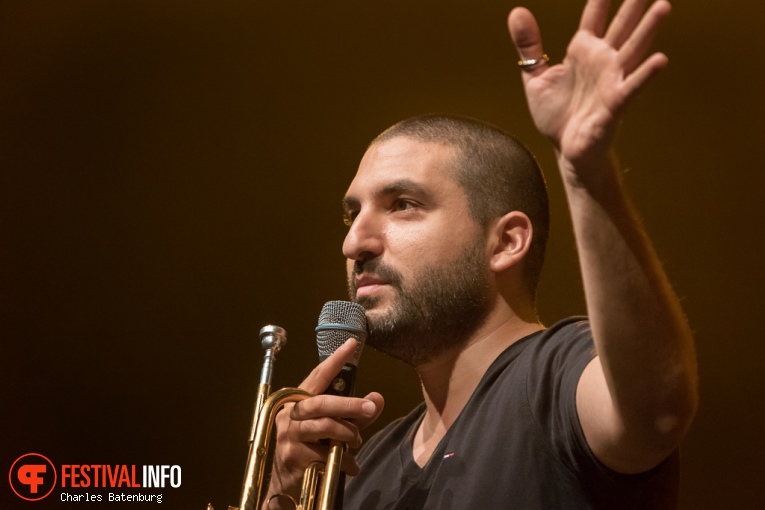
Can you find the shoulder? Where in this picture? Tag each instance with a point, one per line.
(566, 344)
(554, 362)
(567, 332)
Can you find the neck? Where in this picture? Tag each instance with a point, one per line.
(449, 380)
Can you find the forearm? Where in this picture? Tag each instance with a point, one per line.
(641, 335)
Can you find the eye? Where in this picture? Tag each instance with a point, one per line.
(348, 218)
(403, 204)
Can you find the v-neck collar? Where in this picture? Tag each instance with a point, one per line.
(409, 467)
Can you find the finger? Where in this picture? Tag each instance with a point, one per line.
(289, 464)
(594, 17)
(527, 38)
(379, 403)
(640, 76)
(638, 44)
(305, 454)
(625, 21)
(321, 376)
(313, 431)
(319, 453)
(333, 406)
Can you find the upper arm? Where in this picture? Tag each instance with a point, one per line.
(620, 445)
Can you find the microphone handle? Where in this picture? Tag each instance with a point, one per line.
(344, 382)
(343, 385)
(338, 321)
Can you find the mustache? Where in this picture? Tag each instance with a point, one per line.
(377, 269)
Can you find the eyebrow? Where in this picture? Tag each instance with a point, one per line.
(393, 188)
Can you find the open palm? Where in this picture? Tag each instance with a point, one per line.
(577, 103)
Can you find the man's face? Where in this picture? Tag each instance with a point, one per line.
(417, 260)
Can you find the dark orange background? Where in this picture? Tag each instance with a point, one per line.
(171, 174)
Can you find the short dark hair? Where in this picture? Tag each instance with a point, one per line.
(497, 171)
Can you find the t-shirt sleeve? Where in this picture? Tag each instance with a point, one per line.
(555, 366)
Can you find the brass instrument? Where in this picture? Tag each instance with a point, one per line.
(324, 476)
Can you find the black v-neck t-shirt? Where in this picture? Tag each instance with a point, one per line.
(517, 444)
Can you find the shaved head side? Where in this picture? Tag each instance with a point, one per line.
(497, 171)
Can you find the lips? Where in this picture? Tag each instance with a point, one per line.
(368, 278)
(367, 284)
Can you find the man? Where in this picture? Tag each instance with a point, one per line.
(584, 414)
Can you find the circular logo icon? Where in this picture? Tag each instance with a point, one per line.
(32, 477)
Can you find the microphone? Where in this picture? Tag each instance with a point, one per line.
(339, 321)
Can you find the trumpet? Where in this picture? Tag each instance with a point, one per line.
(338, 321)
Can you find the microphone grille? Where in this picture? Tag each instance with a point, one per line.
(339, 321)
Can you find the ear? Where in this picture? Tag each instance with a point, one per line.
(510, 237)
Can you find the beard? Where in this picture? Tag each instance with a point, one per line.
(439, 309)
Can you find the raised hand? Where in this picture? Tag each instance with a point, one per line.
(301, 427)
(577, 103)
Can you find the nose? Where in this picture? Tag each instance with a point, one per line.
(364, 240)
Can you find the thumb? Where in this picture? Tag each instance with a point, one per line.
(525, 33)
(321, 376)
(379, 403)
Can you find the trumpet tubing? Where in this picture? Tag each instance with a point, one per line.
(256, 464)
(318, 476)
